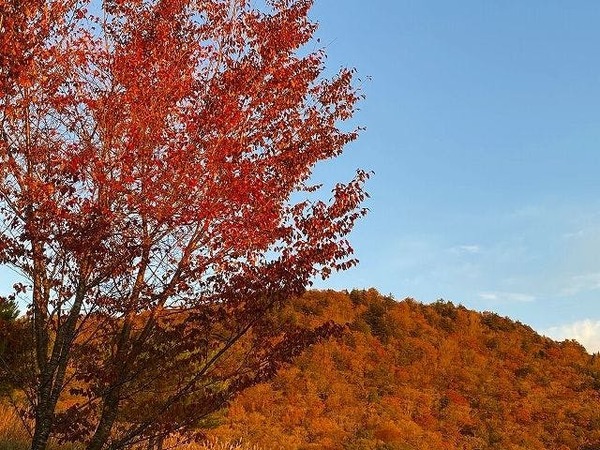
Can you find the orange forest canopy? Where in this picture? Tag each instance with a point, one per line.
(149, 154)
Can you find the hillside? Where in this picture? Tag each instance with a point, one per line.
(407, 376)
(411, 376)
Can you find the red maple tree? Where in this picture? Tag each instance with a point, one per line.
(153, 157)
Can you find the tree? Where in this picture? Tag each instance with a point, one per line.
(15, 348)
(9, 309)
(155, 191)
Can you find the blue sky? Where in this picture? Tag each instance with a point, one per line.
(483, 130)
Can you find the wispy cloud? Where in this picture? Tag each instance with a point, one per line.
(581, 283)
(577, 234)
(528, 212)
(470, 249)
(496, 296)
(586, 332)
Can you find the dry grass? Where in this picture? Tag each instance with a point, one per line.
(214, 445)
(14, 436)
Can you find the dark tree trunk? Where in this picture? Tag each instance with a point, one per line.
(107, 419)
(52, 368)
(43, 426)
(112, 397)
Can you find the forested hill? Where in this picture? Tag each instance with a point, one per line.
(410, 376)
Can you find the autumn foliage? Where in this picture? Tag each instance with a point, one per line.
(155, 163)
(405, 375)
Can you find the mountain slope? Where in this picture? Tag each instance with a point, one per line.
(410, 376)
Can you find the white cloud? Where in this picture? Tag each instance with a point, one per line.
(586, 332)
(507, 296)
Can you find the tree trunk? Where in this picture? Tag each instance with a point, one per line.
(112, 397)
(155, 443)
(43, 425)
(51, 368)
(107, 419)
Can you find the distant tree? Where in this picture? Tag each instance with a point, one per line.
(12, 339)
(155, 161)
(9, 309)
